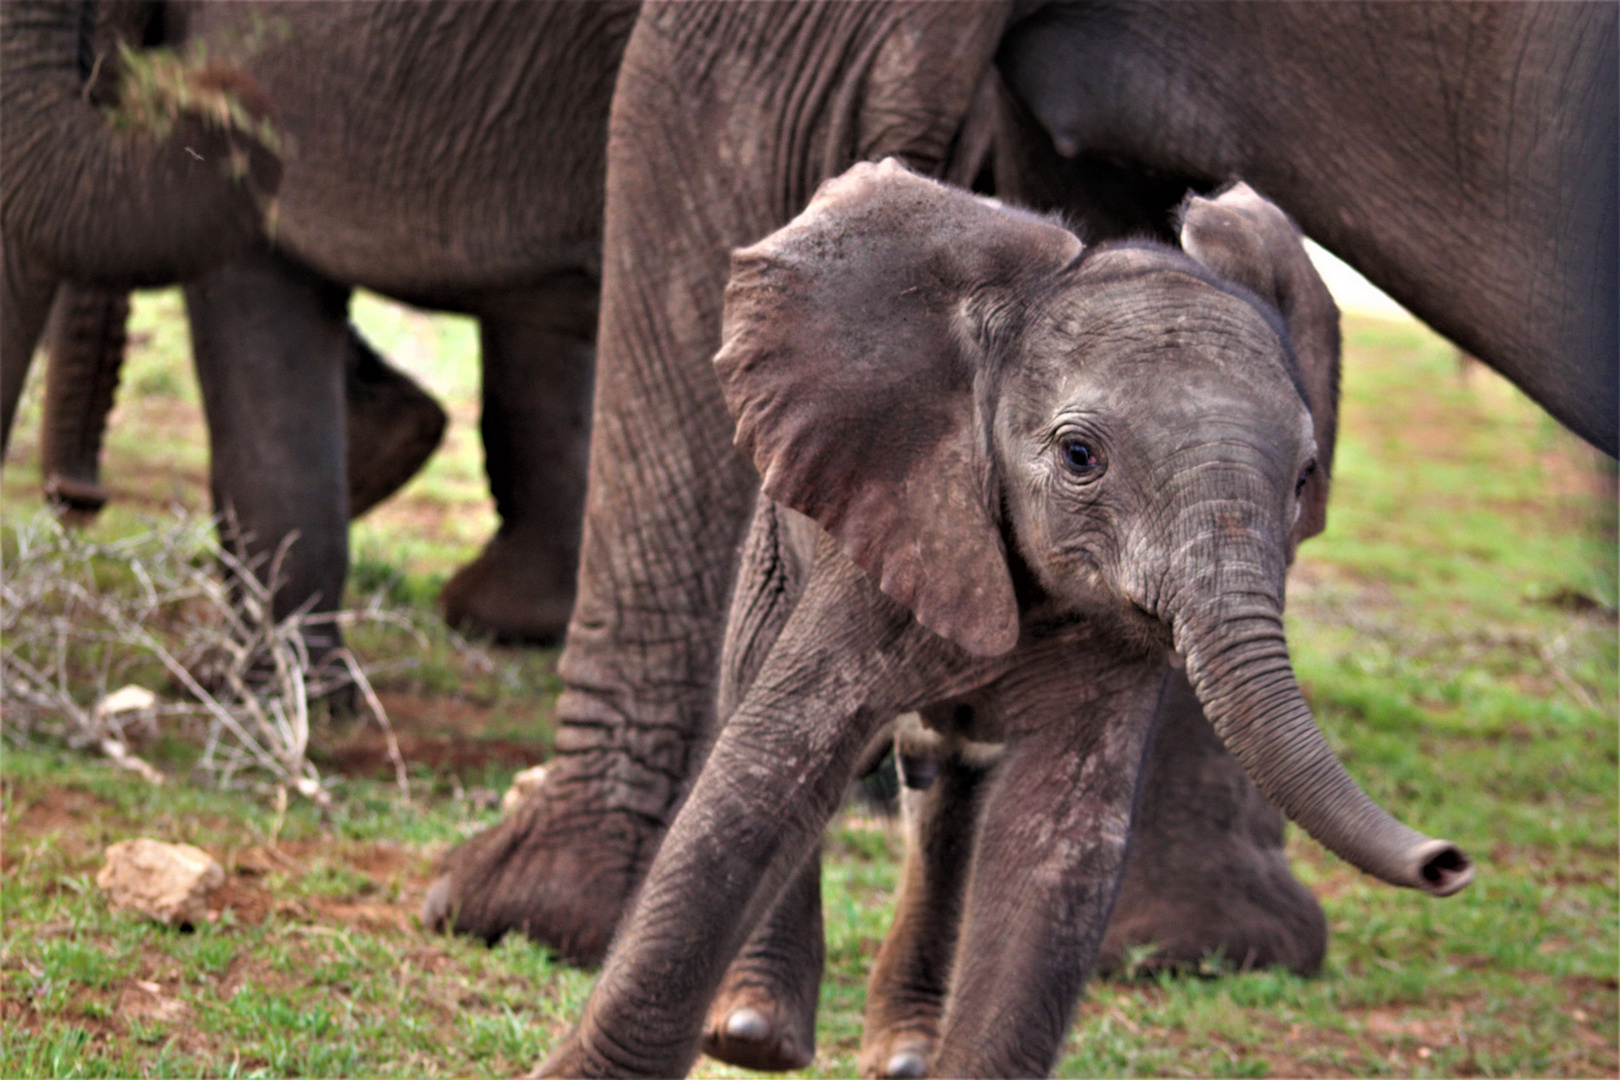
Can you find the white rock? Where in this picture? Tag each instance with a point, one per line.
(126, 699)
(166, 882)
(524, 784)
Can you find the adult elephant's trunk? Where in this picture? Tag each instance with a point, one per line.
(1229, 628)
(176, 189)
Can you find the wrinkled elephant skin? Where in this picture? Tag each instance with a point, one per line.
(1035, 470)
(776, 98)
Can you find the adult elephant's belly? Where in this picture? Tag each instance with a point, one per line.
(384, 210)
(429, 255)
(435, 147)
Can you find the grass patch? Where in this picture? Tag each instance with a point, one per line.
(1454, 628)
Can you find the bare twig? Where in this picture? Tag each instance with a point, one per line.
(77, 617)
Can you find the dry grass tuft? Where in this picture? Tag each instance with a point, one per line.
(172, 604)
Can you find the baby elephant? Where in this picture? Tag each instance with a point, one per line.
(1011, 481)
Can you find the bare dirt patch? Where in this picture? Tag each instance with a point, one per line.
(241, 895)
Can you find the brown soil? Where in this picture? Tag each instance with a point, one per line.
(446, 734)
(366, 754)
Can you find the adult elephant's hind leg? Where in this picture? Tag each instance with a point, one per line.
(538, 357)
(764, 1016)
(1207, 878)
(270, 338)
(393, 425)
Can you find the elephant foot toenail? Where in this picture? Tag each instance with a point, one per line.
(905, 1064)
(748, 1025)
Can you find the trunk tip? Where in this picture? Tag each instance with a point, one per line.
(1443, 868)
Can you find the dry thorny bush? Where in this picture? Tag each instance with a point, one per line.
(81, 622)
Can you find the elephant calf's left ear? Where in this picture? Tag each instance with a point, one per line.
(850, 365)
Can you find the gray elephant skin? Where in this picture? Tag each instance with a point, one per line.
(272, 339)
(1007, 476)
(163, 195)
(774, 98)
(448, 155)
(1462, 156)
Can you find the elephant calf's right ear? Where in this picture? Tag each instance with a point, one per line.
(851, 366)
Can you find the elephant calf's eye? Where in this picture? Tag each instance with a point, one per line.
(1304, 475)
(1081, 459)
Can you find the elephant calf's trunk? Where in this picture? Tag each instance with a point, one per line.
(1244, 679)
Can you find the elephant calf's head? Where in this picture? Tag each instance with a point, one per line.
(926, 373)
(933, 377)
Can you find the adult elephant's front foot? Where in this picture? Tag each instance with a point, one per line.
(560, 870)
(764, 1016)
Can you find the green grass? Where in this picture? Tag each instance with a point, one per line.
(1454, 629)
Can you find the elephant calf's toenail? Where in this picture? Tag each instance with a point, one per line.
(906, 1064)
(748, 1025)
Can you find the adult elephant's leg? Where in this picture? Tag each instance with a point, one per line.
(86, 339)
(538, 358)
(905, 995)
(764, 1015)
(771, 100)
(270, 338)
(1207, 875)
(26, 290)
(393, 425)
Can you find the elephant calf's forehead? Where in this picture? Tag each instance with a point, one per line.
(1159, 315)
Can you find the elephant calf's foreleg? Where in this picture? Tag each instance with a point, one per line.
(764, 1016)
(1047, 862)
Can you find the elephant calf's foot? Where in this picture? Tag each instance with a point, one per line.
(520, 589)
(556, 872)
(901, 1051)
(751, 1028)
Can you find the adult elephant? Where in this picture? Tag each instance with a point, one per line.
(392, 426)
(499, 237)
(179, 184)
(448, 155)
(1463, 157)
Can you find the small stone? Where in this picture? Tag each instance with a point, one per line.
(129, 698)
(524, 784)
(166, 882)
